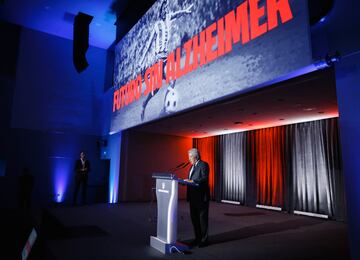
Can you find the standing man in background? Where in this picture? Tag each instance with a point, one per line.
(82, 168)
(199, 196)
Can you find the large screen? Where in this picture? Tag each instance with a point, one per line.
(188, 53)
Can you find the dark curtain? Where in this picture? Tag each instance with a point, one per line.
(334, 167)
(251, 190)
(316, 169)
(296, 167)
(233, 167)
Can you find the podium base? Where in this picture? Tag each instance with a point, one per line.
(166, 248)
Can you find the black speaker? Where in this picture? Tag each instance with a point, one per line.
(81, 41)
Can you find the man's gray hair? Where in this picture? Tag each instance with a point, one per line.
(194, 152)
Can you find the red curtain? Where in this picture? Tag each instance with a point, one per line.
(269, 163)
(207, 149)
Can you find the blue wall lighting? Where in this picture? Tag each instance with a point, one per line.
(62, 168)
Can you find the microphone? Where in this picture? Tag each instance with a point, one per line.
(179, 167)
(181, 164)
(186, 164)
(182, 167)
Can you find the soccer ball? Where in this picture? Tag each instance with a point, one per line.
(171, 101)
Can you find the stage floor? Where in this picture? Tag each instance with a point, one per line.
(122, 231)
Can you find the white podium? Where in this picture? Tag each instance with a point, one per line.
(167, 203)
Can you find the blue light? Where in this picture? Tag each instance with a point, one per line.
(114, 155)
(323, 20)
(59, 198)
(61, 170)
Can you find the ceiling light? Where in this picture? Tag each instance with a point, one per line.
(309, 108)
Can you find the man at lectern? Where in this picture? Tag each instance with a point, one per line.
(199, 197)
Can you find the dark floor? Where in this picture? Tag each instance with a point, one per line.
(122, 231)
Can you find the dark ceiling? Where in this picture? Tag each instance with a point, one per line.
(128, 13)
(112, 18)
(306, 98)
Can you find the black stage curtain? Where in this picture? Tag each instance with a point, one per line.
(233, 167)
(296, 167)
(316, 169)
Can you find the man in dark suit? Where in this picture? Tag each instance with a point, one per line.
(82, 168)
(199, 196)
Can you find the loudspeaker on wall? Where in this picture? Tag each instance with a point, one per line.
(81, 40)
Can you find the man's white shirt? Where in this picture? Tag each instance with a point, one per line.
(192, 169)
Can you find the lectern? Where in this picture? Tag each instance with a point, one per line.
(167, 202)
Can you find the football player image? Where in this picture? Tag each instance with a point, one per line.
(159, 37)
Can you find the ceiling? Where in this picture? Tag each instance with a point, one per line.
(305, 98)
(56, 17)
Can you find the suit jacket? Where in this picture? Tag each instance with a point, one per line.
(200, 176)
(79, 166)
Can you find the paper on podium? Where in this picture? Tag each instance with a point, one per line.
(185, 182)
